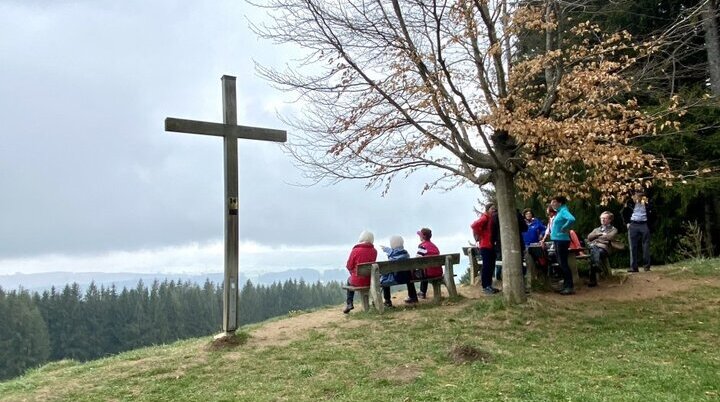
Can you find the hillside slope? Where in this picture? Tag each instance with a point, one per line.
(641, 337)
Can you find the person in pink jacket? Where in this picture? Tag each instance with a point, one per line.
(425, 248)
(361, 253)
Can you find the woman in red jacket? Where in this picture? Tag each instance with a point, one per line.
(485, 237)
(361, 253)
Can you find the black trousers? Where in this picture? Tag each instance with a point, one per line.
(488, 266)
(350, 294)
(639, 236)
(562, 250)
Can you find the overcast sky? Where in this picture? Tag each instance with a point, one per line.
(90, 181)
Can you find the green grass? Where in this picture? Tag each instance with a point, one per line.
(550, 349)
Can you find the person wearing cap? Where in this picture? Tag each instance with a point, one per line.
(485, 237)
(361, 253)
(425, 248)
(638, 215)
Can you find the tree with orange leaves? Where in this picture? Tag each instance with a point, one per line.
(393, 87)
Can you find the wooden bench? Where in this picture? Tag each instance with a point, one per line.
(544, 279)
(532, 273)
(375, 269)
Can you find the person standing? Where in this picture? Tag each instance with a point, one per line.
(535, 228)
(484, 236)
(637, 215)
(600, 241)
(548, 228)
(560, 235)
(425, 248)
(361, 253)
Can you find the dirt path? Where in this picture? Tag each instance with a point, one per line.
(643, 285)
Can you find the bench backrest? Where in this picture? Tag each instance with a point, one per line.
(408, 264)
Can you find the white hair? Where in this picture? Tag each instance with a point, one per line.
(366, 237)
(396, 242)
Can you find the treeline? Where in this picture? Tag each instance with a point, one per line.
(688, 212)
(71, 324)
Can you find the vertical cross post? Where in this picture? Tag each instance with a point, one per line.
(230, 290)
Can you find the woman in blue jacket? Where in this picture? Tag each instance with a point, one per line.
(560, 235)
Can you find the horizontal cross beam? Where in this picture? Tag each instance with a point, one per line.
(224, 130)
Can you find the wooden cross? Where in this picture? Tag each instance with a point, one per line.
(230, 132)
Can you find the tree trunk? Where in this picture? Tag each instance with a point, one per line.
(513, 286)
(712, 44)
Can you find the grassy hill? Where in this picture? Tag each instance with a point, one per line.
(643, 337)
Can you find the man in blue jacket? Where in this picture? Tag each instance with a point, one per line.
(560, 235)
(535, 228)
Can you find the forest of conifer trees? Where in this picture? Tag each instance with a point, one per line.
(72, 324)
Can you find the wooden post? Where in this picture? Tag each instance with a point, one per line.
(474, 266)
(572, 263)
(450, 277)
(230, 290)
(375, 289)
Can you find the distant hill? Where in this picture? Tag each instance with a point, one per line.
(44, 281)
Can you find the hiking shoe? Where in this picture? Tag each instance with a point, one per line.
(348, 308)
(567, 291)
(632, 271)
(421, 295)
(411, 301)
(388, 304)
(592, 284)
(496, 290)
(647, 269)
(489, 291)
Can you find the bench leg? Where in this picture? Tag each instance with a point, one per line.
(572, 262)
(375, 290)
(474, 267)
(450, 278)
(365, 297)
(605, 266)
(436, 292)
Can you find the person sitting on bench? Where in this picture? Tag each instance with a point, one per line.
(362, 252)
(395, 252)
(425, 248)
(600, 241)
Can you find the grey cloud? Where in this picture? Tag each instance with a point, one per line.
(86, 167)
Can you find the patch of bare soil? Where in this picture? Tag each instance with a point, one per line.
(464, 354)
(228, 341)
(635, 286)
(282, 332)
(643, 285)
